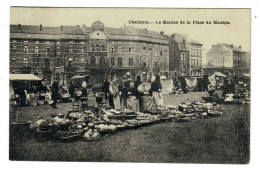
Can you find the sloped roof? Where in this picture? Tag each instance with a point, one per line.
(179, 38)
(72, 30)
(230, 46)
(130, 30)
(34, 29)
(46, 30)
(77, 30)
(114, 31)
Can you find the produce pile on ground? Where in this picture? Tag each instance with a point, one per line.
(91, 124)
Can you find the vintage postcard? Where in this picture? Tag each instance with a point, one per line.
(154, 85)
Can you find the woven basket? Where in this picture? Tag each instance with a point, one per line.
(33, 103)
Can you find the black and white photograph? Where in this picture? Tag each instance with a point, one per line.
(139, 85)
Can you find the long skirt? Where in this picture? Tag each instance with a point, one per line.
(117, 103)
(158, 97)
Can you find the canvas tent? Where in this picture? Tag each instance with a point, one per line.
(20, 78)
(23, 77)
(212, 78)
(191, 82)
(167, 86)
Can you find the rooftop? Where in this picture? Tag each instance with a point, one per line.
(77, 30)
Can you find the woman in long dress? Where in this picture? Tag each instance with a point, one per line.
(114, 91)
(156, 89)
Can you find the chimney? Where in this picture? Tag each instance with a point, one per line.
(124, 27)
(145, 30)
(162, 33)
(40, 27)
(231, 46)
(240, 47)
(61, 28)
(19, 27)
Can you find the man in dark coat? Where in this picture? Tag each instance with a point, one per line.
(106, 88)
(55, 92)
(72, 89)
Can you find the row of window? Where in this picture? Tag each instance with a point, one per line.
(26, 61)
(196, 73)
(145, 50)
(196, 52)
(94, 61)
(239, 73)
(184, 57)
(239, 63)
(195, 63)
(47, 50)
(238, 57)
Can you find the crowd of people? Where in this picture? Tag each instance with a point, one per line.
(126, 93)
(237, 87)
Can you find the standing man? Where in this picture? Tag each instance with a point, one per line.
(106, 88)
(55, 92)
(156, 88)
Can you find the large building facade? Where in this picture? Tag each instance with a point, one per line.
(228, 59)
(67, 51)
(185, 56)
(195, 63)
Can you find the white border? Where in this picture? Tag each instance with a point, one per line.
(73, 166)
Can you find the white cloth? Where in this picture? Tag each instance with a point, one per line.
(158, 97)
(117, 103)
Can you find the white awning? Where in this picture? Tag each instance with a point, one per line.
(23, 77)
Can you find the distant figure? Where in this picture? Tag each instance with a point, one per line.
(156, 89)
(84, 91)
(138, 94)
(55, 92)
(114, 91)
(123, 90)
(138, 82)
(72, 89)
(106, 88)
(43, 85)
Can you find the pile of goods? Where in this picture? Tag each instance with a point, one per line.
(92, 124)
(229, 99)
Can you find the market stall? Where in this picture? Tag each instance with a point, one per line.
(217, 79)
(24, 87)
